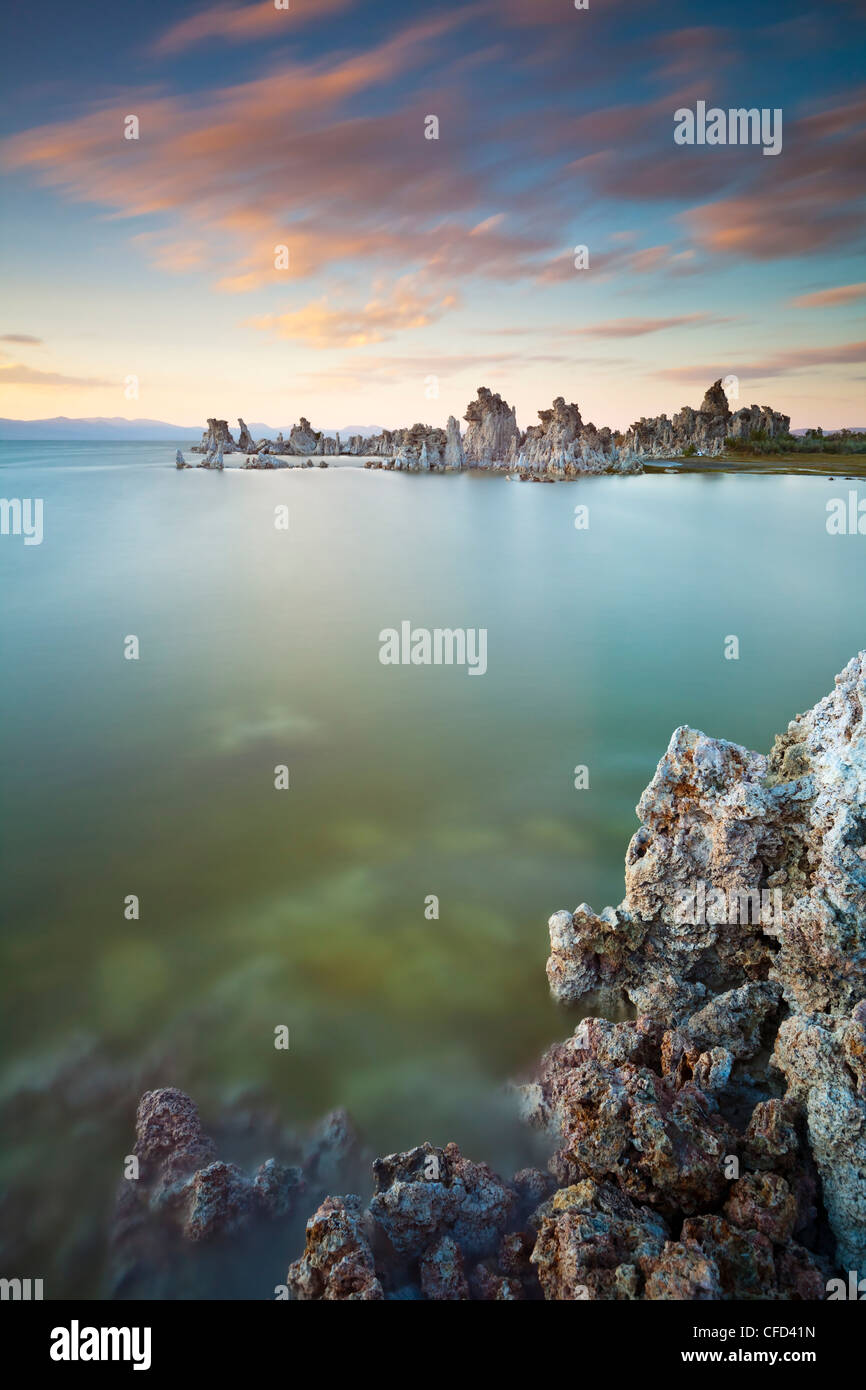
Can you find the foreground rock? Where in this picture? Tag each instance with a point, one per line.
(743, 936)
(713, 1147)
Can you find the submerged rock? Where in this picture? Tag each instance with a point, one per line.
(184, 1197)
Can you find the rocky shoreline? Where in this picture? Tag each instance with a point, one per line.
(560, 446)
(710, 1147)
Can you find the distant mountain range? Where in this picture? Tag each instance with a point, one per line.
(855, 429)
(102, 427)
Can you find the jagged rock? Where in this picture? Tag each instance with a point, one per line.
(763, 1202)
(758, 419)
(185, 1196)
(180, 461)
(723, 827)
(337, 1263)
(702, 431)
(492, 426)
(616, 1117)
(736, 1018)
(168, 1135)
(552, 442)
(683, 1273)
(453, 455)
(302, 439)
(428, 1192)
(278, 1186)
(442, 1274)
(742, 825)
(220, 1200)
(592, 1240)
(216, 436)
(245, 442)
(771, 1138)
(823, 1062)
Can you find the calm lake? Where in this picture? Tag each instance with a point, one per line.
(259, 648)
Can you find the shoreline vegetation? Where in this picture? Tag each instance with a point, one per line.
(561, 446)
(708, 1146)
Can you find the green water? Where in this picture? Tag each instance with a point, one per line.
(260, 647)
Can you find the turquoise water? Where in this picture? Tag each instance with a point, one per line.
(260, 647)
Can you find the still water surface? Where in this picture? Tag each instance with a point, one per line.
(260, 647)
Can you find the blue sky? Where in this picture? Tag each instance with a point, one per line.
(142, 272)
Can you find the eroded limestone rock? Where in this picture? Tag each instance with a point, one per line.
(743, 930)
(492, 427)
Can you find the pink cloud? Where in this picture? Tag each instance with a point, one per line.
(240, 24)
(637, 328)
(776, 364)
(825, 299)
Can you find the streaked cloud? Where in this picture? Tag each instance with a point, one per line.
(243, 23)
(17, 374)
(637, 328)
(825, 299)
(774, 364)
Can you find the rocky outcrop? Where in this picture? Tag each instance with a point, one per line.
(245, 439)
(437, 1227)
(216, 437)
(743, 929)
(182, 1196)
(713, 1146)
(302, 439)
(492, 427)
(337, 1263)
(759, 420)
(564, 446)
(702, 431)
(560, 446)
(453, 456)
(746, 868)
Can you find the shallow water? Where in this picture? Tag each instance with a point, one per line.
(260, 647)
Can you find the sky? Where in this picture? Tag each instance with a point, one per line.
(143, 276)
